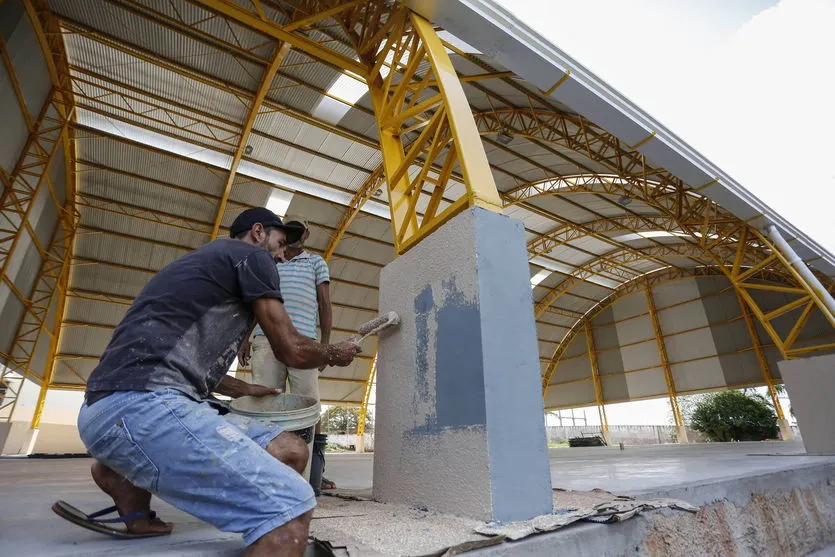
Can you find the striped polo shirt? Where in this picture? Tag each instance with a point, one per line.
(299, 278)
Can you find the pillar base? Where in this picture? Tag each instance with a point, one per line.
(459, 396)
(681, 434)
(810, 384)
(359, 444)
(607, 437)
(786, 431)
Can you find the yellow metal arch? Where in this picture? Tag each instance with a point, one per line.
(615, 262)
(645, 283)
(49, 131)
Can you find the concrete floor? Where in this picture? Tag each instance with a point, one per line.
(28, 487)
(634, 470)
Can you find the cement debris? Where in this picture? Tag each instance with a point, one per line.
(607, 508)
(351, 518)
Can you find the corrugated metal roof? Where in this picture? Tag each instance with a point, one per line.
(94, 57)
(144, 33)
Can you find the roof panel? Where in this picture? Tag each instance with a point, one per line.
(145, 33)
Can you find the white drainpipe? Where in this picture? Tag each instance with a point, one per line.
(802, 269)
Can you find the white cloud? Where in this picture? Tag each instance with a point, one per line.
(747, 83)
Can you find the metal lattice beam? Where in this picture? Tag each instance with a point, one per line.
(257, 102)
(448, 135)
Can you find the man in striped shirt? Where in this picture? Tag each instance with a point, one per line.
(305, 286)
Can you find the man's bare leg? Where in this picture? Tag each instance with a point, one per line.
(288, 540)
(290, 449)
(128, 499)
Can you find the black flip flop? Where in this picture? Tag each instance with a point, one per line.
(100, 525)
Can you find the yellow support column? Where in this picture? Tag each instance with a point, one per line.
(372, 373)
(786, 432)
(426, 128)
(371, 185)
(681, 429)
(62, 287)
(598, 384)
(267, 78)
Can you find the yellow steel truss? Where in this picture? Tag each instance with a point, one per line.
(739, 250)
(643, 282)
(595, 375)
(614, 266)
(561, 235)
(374, 182)
(266, 83)
(366, 396)
(662, 354)
(447, 134)
(49, 130)
(22, 186)
(763, 361)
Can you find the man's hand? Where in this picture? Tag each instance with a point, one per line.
(244, 352)
(235, 388)
(262, 390)
(342, 354)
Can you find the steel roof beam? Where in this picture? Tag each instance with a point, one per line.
(255, 107)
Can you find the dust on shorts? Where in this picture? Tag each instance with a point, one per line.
(211, 466)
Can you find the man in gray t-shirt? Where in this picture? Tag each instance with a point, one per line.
(146, 420)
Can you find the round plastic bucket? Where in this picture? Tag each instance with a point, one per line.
(295, 413)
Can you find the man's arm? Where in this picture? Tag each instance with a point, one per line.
(293, 348)
(235, 388)
(323, 297)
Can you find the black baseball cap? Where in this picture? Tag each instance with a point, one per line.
(249, 217)
(294, 228)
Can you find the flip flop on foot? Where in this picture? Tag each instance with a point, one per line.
(100, 525)
(327, 484)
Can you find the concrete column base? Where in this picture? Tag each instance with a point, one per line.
(681, 434)
(459, 396)
(810, 383)
(359, 444)
(786, 431)
(607, 437)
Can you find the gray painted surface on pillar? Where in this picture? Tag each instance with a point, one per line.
(512, 387)
(810, 383)
(459, 407)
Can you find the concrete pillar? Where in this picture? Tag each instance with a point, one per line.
(607, 437)
(459, 424)
(786, 431)
(810, 383)
(681, 434)
(359, 444)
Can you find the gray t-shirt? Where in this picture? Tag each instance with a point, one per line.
(184, 329)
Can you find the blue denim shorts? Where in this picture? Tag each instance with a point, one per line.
(211, 466)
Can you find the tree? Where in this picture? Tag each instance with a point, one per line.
(339, 419)
(686, 406)
(735, 416)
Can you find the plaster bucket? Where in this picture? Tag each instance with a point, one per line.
(295, 413)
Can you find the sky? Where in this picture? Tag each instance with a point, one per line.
(748, 83)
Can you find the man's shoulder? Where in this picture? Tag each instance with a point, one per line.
(235, 248)
(317, 259)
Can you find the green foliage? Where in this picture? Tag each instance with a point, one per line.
(340, 419)
(687, 404)
(734, 416)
